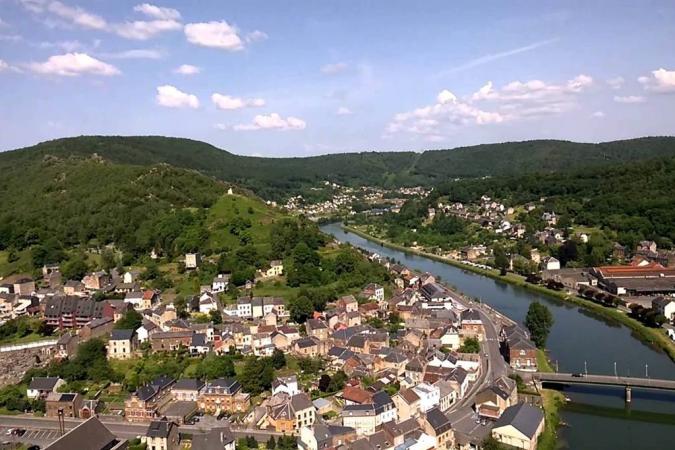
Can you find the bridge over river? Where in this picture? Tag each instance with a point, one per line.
(606, 380)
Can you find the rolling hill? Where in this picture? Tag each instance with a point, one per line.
(275, 178)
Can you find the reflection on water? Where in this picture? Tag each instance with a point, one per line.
(578, 337)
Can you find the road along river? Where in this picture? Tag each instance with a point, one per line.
(597, 417)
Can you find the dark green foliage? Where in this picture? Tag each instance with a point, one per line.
(311, 365)
(214, 366)
(278, 359)
(470, 345)
(337, 381)
(271, 443)
(257, 375)
(539, 321)
(75, 268)
(21, 327)
(131, 320)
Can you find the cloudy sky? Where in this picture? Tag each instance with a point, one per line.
(307, 77)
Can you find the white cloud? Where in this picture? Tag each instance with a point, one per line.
(332, 69)
(598, 115)
(256, 36)
(74, 64)
(220, 35)
(3, 66)
(489, 105)
(171, 97)
(138, 53)
(661, 80)
(629, 99)
(76, 15)
(142, 30)
(11, 37)
(227, 102)
(615, 83)
(3, 23)
(343, 111)
(157, 12)
(187, 69)
(445, 96)
(272, 122)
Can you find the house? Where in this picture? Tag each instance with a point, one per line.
(448, 394)
(220, 283)
(471, 324)
(665, 306)
(187, 389)
(170, 340)
(317, 328)
(96, 281)
(149, 299)
(214, 440)
(520, 352)
(223, 395)
(88, 435)
(96, 328)
(40, 387)
(360, 417)
(66, 346)
(641, 277)
(275, 269)
(324, 436)
(144, 404)
(122, 344)
(407, 404)
(385, 408)
(492, 401)
(348, 303)
(146, 330)
(373, 291)
(519, 426)
(436, 424)
(289, 385)
(73, 312)
(192, 260)
(430, 396)
(199, 344)
(161, 435)
(550, 263)
(65, 404)
(309, 346)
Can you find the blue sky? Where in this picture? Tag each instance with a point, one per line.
(309, 77)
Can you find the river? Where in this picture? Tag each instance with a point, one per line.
(599, 418)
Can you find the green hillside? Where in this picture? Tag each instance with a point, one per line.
(276, 178)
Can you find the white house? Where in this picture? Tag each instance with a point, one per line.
(665, 306)
(40, 387)
(192, 260)
(429, 396)
(551, 263)
(220, 282)
(289, 385)
(207, 303)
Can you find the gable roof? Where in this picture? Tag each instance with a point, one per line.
(43, 383)
(88, 435)
(522, 417)
(121, 335)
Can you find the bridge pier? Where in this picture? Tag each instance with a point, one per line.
(628, 394)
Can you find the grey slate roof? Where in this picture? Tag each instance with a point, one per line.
(89, 435)
(121, 335)
(159, 428)
(522, 417)
(188, 384)
(43, 383)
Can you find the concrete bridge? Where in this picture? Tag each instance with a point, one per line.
(606, 380)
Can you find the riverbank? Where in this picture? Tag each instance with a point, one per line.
(656, 337)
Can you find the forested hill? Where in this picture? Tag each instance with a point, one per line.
(275, 178)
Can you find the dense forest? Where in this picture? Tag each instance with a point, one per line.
(276, 178)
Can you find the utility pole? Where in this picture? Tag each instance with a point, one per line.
(616, 375)
(62, 424)
(646, 370)
(585, 368)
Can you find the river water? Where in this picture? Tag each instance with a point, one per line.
(578, 338)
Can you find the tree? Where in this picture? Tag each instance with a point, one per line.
(271, 443)
(470, 345)
(181, 307)
(338, 381)
(131, 320)
(539, 321)
(301, 309)
(257, 375)
(278, 359)
(216, 316)
(214, 366)
(75, 268)
(324, 382)
(501, 259)
(108, 260)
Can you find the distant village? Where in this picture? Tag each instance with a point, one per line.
(419, 382)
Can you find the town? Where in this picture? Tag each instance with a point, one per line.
(423, 368)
